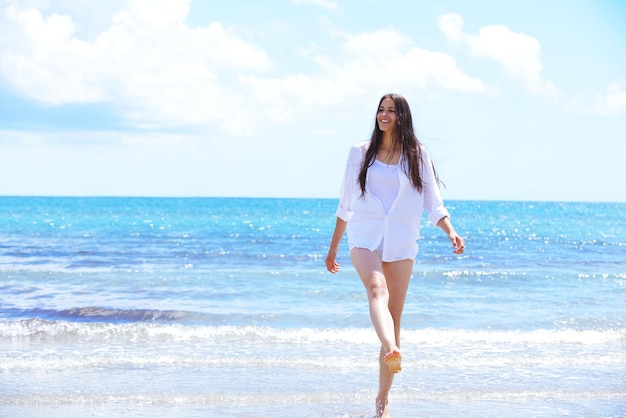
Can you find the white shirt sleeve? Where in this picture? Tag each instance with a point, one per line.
(350, 186)
(433, 203)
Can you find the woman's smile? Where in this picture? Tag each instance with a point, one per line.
(386, 117)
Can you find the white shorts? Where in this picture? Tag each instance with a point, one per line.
(379, 249)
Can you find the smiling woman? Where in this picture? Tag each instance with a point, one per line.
(389, 181)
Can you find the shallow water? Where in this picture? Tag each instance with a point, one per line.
(222, 307)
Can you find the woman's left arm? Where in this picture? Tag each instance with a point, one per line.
(458, 242)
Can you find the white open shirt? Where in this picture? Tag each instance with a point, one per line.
(367, 221)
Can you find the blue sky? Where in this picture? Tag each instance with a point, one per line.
(515, 100)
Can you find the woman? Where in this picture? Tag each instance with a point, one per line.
(388, 182)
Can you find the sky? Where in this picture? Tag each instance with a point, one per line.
(514, 100)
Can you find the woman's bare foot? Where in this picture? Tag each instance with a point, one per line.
(381, 406)
(393, 360)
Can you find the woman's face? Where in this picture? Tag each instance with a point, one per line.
(386, 116)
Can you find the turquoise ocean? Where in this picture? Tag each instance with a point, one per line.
(222, 307)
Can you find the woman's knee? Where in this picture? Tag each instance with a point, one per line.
(377, 286)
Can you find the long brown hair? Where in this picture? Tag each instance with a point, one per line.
(409, 144)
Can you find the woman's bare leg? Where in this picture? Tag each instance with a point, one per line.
(386, 285)
(399, 276)
(369, 266)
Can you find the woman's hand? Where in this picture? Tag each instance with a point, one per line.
(331, 262)
(331, 258)
(457, 242)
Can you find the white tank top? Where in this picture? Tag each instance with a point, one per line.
(384, 182)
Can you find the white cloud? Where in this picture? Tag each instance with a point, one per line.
(451, 25)
(157, 71)
(388, 57)
(47, 63)
(381, 61)
(519, 55)
(148, 61)
(612, 101)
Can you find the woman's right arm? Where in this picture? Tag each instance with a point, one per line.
(331, 258)
(344, 210)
